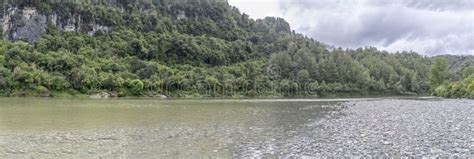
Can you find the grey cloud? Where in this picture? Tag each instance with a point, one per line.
(429, 27)
(441, 5)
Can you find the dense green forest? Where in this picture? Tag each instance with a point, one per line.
(203, 48)
(445, 86)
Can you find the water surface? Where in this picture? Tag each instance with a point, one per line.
(147, 128)
(40, 114)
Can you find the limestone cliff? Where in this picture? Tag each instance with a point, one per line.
(29, 24)
(28, 20)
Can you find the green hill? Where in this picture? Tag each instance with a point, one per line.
(184, 48)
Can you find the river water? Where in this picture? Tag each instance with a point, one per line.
(147, 128)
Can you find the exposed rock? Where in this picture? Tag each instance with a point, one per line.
(181, 15)
(113, 94)
(29, 24)
(104, 95)
(69, 28)
(101, 95)
(99, 28)
(159, 96)
(26, 24)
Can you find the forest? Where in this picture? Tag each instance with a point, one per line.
(209, 49)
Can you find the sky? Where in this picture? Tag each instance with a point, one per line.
(430, 27)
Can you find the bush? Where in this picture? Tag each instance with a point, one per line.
(136, 87)
(42, 91)
(441, 91)
(456, 90)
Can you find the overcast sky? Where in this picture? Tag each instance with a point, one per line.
(430, 27)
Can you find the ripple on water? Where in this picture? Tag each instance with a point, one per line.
(389, 127)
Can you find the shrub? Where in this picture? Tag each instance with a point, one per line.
(136, 86)
(441, 90)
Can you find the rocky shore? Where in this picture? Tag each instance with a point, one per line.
(386, 128)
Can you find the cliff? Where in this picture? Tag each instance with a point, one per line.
(28, 20)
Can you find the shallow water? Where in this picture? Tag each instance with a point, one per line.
(146, 128)
(36, 114)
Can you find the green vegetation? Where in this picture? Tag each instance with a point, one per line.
(439, 72)
(458, 89)
(213, 50)
(453, 76)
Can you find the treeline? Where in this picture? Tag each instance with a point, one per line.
(443, 84)
(197, 49)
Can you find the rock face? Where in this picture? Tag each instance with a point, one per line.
(29, 23)
(26, 24)
(19, 22)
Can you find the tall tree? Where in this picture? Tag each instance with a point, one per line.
(439, 72)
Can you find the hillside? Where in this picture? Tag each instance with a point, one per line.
(457, 64)
(181, 49)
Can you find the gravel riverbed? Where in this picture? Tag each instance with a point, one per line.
(375, 128)
(411, 128)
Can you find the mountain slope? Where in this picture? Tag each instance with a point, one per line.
(184, 48)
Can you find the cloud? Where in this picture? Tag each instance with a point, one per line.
(441, 5)
(258, 9)
(429, 27)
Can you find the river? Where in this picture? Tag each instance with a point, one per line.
(148, 128)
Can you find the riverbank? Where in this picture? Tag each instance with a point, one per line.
(408, 128)
(112, 95)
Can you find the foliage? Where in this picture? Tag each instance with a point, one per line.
(136, 86)
(468, 71)
(214, 50)
(438, 72)
(457, 89)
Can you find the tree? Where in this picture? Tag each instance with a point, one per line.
(469, 82)
(303, 77)
(216, 48)
(468, 71)
(438, 72)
